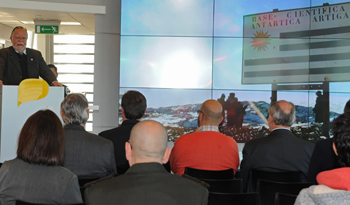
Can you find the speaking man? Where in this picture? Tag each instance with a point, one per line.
(18, 63)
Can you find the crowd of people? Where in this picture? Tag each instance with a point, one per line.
(51, 157)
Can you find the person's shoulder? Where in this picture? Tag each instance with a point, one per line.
(184, 183)
(109, 132)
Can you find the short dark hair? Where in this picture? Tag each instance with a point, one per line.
(341, 138)
(41, 140)
(347, 106)
(52, 66)
(134, 104)
(280, 117)
(17, 27)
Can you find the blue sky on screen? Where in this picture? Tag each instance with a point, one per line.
(169, 97)
(166, 62)
(167, 17)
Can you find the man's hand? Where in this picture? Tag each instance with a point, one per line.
(57, 84)
(1, 83)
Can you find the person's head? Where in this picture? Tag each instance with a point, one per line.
(318, 93)
(74, 109)
(341, 138)
(134, 105)
(148, 143)
(19, 38)
(281, 114)
(347, 107)
(41, 140)
(53, 69)
(210, 113)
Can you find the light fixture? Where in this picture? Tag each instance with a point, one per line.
(71, 23)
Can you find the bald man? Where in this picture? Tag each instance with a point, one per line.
(206, 148)
(146, 181)
(280, 150)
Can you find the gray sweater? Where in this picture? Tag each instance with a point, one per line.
(20, 180)
(323, 195)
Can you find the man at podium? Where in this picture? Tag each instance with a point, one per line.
(18, 62)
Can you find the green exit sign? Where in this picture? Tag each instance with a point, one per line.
(46, 29)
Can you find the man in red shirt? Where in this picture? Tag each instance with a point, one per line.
(206, 148)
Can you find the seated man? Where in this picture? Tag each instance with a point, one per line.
(133, 108)
(206, 148)
(147, 182)
(86, 155)
(280, 150)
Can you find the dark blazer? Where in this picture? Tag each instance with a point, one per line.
(119, 136)
(147, 183)
(323, 158)
(280, 150)
(37, 184)
(87, 155)
(10, 69)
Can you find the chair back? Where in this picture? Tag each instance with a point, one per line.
(209, 174)
(268, 189)
(276, 176)
(233, 199)
(224, 185)
(285, 199)
(19, 202)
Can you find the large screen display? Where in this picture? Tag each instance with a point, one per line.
(179, 53)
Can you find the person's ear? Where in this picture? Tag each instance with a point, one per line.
(222, 118)
(335, 149)
(61, 113)
(128, 152)
(166, 155)
(88, 112)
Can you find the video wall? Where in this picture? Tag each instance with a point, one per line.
(179, 53)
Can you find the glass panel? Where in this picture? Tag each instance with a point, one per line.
(90, 97)
(88, 127)
(74, 68)
(80, 88)
(167, 17)
(74, 48)
(170, 62)
(74, 58)
(74, 39)
(75, 78)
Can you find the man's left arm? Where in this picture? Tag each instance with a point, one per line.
(46, 73)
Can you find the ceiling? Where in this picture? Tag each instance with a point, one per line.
(12, 17)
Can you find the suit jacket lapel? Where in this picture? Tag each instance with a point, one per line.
(14, 59)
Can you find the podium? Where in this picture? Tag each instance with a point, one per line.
(13, 116)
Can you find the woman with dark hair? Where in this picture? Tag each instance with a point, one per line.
(36, 175)
(334, 184)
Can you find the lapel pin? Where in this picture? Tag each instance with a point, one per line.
(31, 59)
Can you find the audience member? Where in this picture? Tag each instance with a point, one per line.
(133, 107)
(334, 184)
(36, 176)
(206, 148)
(323, 157)
(280, 150)
(147, 182)
(86, 155)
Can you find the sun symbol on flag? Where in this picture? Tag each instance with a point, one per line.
(261, 40)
